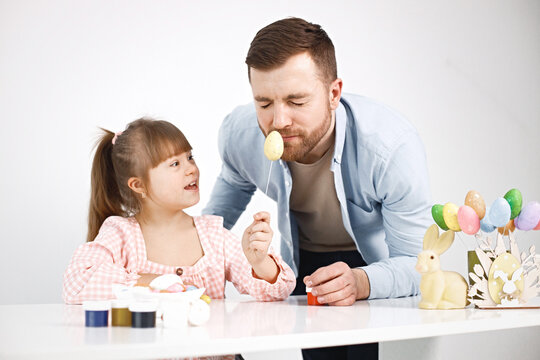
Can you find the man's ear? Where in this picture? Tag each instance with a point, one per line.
(335, 93)
(136, 184)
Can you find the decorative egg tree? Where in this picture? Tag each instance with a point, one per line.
(499, 275)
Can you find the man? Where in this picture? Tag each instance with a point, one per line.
(352, 185)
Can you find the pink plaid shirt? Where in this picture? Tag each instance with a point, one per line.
(118, 255)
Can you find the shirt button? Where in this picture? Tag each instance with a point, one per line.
(179, 271)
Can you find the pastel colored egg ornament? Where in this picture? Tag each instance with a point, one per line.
(475, 201)
(529, 217)
(485, 225)
(508, 264)
(468, 220)
(537, 226)
(437, 214)
(515, 200)
(508, 228)
(450, 211)
(499, 212)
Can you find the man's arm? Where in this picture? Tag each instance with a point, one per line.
(231, 192)
(403, 189)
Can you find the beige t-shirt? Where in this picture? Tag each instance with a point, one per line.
(315, 206)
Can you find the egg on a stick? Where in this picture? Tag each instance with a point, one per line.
(273, 149)
(273, 146)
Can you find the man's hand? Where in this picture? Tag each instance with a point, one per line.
(338, 284)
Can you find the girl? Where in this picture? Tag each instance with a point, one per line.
(142, 180)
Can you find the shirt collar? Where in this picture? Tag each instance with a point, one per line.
(341, 123)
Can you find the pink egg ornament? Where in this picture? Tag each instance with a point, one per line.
(468, 220)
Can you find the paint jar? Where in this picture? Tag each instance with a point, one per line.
(120, 314)
(96, 313)
(311, 299)
(143, 314)
(175, 313)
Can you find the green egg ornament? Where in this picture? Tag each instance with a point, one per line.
(437, 213)
(515, 200)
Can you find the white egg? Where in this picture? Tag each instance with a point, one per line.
(199, 313)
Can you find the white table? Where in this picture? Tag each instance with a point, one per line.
(245, 326)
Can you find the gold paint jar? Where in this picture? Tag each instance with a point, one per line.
(120, 314)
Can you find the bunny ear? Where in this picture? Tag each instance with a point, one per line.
(430, 237)
(517, 274)
(444, 242)
(500, 274)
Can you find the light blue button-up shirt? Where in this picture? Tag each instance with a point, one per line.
(381, 181)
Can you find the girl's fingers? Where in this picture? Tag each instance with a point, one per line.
(262, 216)
(262, 227)
(260, 236)
(251, 226)
(258, 245)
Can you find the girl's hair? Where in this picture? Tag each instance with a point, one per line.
(142, 146)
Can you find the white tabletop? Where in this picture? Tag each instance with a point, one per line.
(237, 326)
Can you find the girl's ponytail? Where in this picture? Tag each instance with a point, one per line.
(105, 199)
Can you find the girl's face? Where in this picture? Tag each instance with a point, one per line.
(174, 183)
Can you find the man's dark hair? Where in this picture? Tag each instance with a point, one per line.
(276, 43)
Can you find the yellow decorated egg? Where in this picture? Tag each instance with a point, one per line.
(273, 146)
(505, 277)
(206, 298)
(450, 211)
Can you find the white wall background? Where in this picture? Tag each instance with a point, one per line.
(466, 73)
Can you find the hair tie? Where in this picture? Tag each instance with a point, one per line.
(116, 137)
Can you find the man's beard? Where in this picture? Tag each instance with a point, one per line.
(297, 152)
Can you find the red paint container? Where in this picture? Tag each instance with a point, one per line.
(311, 299)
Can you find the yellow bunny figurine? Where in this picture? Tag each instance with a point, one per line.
(439, 289)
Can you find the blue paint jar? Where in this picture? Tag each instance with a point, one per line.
(96, 313)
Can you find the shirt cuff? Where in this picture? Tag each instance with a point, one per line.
(279, 276)
(378, 282)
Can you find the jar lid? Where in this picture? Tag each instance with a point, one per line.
(96, 305)
(143, 306)
(120, 303)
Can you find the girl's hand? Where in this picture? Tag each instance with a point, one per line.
(255, 243)
(257, 238)
(146, 279)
